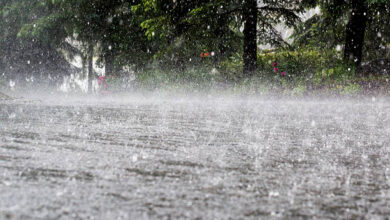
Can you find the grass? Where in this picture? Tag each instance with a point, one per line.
(209, 80)
(336, 80)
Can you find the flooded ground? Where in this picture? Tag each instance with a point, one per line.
(141, 158)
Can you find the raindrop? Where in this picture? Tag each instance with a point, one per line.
(12, 83)
(134, 158)
(110, 47)
(28, 62)
(12, 115)
(313, 123)
(60, 193)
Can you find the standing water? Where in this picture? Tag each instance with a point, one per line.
(140, 158)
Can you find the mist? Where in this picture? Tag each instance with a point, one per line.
(194, 109)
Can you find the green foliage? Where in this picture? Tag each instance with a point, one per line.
(43, 29)
(231, 69)
(299, 90)
(184, 29)
(301, 63)
(24, 53)
(377, 1)
(352, 89)
(191, 79)
(328, 29)
(319, 31)
(162, 40)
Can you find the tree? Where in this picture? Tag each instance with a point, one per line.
(366, 32)
(250, 37)
(181, 30)
(186, 28)
(355, 31)
(107, 30)
(32, 56)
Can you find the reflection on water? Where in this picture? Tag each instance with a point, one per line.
(220, 158)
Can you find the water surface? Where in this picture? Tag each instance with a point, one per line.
(212, 158)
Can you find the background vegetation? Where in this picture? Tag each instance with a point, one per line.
(200, 44)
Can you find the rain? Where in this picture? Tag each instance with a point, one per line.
(151, 109)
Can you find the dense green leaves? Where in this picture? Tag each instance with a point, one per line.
(171, 34)
(339, 23)
(29, 39)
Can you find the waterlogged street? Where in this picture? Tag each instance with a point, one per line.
(213, 158)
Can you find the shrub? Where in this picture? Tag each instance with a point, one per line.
(201, 77)
(352, 89)
(299, 90)
(304, 64)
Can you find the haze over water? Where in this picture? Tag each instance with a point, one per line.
(142, 156)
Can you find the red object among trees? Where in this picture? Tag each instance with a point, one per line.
(207, 54)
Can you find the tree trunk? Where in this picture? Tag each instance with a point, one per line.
(84, 66)
(109, 64)
(91, 75)
(250, 37)
(220, 31)
(109, 58)
(355, 31)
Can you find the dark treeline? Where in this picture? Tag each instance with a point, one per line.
(38, 37)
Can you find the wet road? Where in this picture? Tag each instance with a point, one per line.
(209, 159)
